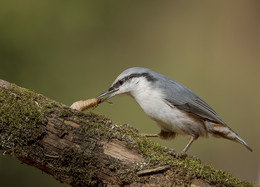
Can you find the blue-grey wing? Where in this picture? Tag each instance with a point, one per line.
(184, 99)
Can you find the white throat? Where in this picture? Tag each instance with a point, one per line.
(142, 90)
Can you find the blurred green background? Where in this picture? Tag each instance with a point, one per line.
(72, 50)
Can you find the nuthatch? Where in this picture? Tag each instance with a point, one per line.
(175, 108)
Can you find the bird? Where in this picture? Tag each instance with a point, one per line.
(175, 108)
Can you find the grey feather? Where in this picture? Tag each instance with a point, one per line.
(184, 99)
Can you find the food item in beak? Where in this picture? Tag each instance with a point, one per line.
(85, 104)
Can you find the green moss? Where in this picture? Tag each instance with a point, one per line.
(21, 110)
(72, 163)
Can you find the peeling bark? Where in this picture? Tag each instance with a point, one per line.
(88, 150)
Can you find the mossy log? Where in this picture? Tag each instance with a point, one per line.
(86, 149)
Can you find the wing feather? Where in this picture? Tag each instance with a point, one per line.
(184, 99)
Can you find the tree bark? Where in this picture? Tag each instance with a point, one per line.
(86, 149)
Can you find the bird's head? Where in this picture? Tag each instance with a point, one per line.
(129, 81)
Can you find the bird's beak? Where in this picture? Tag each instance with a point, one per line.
(112, 92)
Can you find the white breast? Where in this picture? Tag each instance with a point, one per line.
(168, 117)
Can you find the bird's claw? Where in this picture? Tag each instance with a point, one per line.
(181, 155)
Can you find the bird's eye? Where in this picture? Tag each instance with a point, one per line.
(120, 82)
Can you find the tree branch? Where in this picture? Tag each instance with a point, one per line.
(88, 149)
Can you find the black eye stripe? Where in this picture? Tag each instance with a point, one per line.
(148, 77)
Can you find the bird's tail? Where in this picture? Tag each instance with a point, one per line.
(241, 141)
(220, 130)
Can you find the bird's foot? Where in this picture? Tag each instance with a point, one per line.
(181, 155)
(149, 135)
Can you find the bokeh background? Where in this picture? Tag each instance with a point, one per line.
(72, 50)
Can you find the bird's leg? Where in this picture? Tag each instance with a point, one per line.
(150, 135)
(188, 145)
(183, 153)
